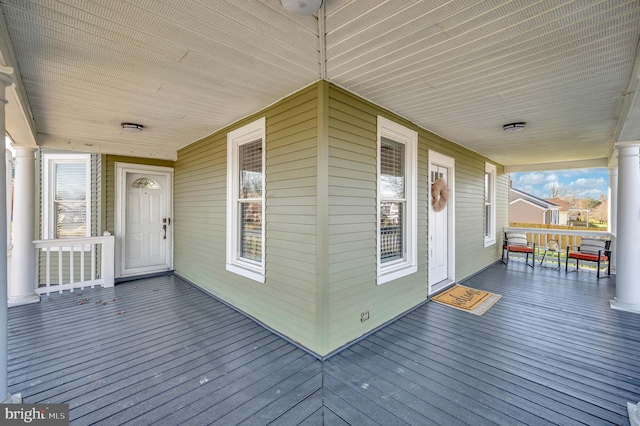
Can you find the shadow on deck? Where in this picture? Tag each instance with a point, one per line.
(159, 350)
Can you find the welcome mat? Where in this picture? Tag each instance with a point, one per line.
(467, 299)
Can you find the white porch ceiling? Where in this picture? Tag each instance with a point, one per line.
(460, 68)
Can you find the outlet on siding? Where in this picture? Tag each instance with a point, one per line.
(364, 316)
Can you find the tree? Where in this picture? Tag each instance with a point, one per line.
(556, 190)
(590, 203)
(601, 212)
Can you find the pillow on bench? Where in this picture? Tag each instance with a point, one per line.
(517, 239)
(592, 246)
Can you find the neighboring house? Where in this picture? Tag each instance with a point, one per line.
(564, 209)
(569, 215)
(304, 215)
(526, 208)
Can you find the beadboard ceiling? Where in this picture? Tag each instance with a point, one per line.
(460, 68)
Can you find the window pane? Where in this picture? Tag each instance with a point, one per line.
(145, 183)
(251, 169)
(487, 187)
(71, 220)
(251, 231)
(391, 231)
(71, 182)
(391, 169)
(487, 220)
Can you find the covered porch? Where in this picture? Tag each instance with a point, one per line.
(551, 351)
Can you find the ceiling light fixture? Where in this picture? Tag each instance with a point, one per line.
(132, 127)
(514, 127)
(301, 7)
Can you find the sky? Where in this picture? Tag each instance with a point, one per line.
(582, 183)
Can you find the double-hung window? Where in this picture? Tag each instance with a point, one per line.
(66, 196)
(489, 204)
(245, 200)
(397, 200)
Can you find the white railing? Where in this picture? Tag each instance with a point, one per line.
(70, 263)
(563, 237)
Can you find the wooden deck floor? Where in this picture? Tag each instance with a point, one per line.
(549, 352)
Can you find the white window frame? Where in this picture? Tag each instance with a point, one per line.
(489, 240)
(409, 263)
(48, 189)
(244, 267)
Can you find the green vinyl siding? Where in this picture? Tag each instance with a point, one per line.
(352, 222)
(321, 219)
(352, 248)
(287, 299)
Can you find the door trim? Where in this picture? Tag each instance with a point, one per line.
(438, 159)
(120, 205)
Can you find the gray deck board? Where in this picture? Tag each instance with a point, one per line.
(319, 418)
(210, 404)
(308, 407)
(142, 386)
(130, 354)
(551, 351)
(425, 400)
(305, 399)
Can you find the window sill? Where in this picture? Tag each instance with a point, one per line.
(396, 272)
(489, 242)
(247, 273)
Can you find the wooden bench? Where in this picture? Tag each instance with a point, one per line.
(516, 242)
(590, 250)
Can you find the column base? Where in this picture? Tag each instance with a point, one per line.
(624, 306)
(634, 413)
(13, 399)
(22, 300)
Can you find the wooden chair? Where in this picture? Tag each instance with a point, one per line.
(591, 250)
(515, 242)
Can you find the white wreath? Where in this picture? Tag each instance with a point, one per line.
(439, 195)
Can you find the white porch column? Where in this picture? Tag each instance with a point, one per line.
(628, 247)
(5, 397)
(613, 214)
(23, 258)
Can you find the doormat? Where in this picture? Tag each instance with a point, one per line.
(467, 299)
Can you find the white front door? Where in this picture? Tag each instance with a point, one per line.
(143, 223)
(441, 225)
(438, 238)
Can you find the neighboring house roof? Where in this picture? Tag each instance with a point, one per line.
(516, 194)
(564, 204)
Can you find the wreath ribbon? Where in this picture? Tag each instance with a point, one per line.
(439, 195)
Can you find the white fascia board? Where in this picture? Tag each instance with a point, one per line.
(105, 147)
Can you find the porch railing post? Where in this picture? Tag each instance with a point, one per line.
(107, 268)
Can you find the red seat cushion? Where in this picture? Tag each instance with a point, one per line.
(521, 249)
(586, 256)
